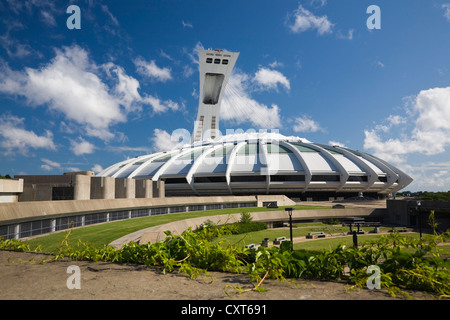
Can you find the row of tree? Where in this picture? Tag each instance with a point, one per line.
(426, 195)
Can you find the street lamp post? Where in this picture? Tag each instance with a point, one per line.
(289, 210)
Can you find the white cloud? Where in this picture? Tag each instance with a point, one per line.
(187, 71)
(306, 124)
(186, 24)
(336, 143)
(151, 70)
(379, 64)
(348, 36)
(16, 139)
(71, 84)
(276, 64)
(164, 141)
(321, 3)
(238, 106)
(396, 120)
(159, 105)
(81, 147)
(270, 79)
(13, 47)
(126, 89)
(193, 54)
(97, 168)
(49, 165)
(302, 20)
(429, 114)
(165, 55)
(430, 176)
(68, 85)
(446, 7)
(48, 18)
(105, 9)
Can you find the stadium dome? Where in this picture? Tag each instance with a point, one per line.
(269, 163)
(256, 163)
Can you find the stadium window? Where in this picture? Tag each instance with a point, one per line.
(225, 61)
(209, 179)
(216, 61)
(259, 178)
(175, 180)
(208, 60)
(321, 177)
(286, 178)
(357, 178)
(62, 193)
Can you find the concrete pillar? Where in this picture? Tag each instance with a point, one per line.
(102, 188)
(159, 189)
(82, 187)
(125, 188)
(17, 231)
(162, 189)
(144, 188)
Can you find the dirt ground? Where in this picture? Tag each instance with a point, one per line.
(23, 278)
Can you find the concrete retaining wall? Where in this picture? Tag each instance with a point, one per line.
(35, 210)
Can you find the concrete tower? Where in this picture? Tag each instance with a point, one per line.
(215, 67)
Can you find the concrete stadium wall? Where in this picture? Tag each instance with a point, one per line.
(25, 219)
(35, 210)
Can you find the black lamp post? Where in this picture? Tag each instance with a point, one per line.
(418, 204)
(289, 210)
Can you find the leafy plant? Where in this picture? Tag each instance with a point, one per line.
(404, 262)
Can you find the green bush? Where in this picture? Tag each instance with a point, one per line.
(248, 227)
(246, 217)
(405, 263)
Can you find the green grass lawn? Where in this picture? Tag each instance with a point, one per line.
(102, 234)
(257, 236)
(302, 230)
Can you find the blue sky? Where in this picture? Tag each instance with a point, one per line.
(83, 99)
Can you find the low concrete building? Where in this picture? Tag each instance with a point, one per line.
(10, 189)
(83, 185)
(69, 186)
(411, 213)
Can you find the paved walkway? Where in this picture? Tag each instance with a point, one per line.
(156, 233)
